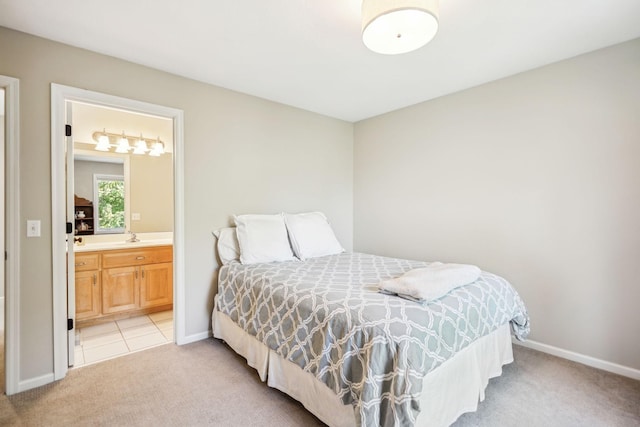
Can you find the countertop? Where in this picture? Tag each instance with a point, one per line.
(110, 246)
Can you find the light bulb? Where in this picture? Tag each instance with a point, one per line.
(123, 145)
(141, 146)
(103, 142)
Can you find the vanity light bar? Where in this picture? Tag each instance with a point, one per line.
(106, 140)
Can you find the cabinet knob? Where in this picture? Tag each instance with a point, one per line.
(95, 279)
(78, 264)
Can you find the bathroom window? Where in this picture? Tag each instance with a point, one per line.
(108, 191)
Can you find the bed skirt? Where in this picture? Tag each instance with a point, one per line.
(452, 389)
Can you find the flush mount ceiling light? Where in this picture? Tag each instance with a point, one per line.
(398, 26)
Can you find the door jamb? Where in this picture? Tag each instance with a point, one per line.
(12, 234)
(59, 95)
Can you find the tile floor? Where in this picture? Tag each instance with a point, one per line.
(117, 338)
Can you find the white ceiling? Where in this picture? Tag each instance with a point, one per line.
(309, 53)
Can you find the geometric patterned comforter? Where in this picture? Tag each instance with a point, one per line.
(373, 350)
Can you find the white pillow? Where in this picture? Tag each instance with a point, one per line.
(262, 238)
(228, 249)
(311, 235)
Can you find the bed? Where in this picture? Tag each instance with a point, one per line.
(320, 331)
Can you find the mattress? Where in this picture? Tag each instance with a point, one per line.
(372, 351)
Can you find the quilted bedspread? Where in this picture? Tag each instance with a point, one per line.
(327, 316)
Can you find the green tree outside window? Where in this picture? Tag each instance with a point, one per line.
(110, 197)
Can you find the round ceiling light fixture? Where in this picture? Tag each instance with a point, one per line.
(391, 27)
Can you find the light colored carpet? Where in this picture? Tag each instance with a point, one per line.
(203, 383)
(538, 389)
(206, 383)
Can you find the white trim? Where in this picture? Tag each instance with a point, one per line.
(179, 280)
(2, 313)
(70, 207)
(12, 236)
(196, 337)
(58, 233)
(35, 382)
(59, 95)
(625, 371)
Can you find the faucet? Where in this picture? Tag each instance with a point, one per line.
(133, 237)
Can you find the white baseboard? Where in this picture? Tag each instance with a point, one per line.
(195, 337)
(625, 371)
(35, 382)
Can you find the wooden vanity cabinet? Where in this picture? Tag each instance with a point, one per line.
(156, 285)
(130, 282)
(140, 278)
(120, 289)
(87, 295)
(88, 286)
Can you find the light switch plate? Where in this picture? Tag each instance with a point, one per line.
(33, 228)
(135, 217)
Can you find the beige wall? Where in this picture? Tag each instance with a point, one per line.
(535, 177)
(242, 154)
(151, 186)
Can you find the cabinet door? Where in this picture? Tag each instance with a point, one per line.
(156, 285)
(87, 294)
(120, 289)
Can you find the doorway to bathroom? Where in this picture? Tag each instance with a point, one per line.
(122, 185)
(117, 170)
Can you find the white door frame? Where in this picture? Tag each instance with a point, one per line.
(59, 95)
(71, 258)
(11, 242)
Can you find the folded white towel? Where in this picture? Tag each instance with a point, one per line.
(431, 282)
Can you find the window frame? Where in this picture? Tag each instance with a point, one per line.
(96, 203)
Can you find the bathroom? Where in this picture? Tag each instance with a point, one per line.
(123, 222)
